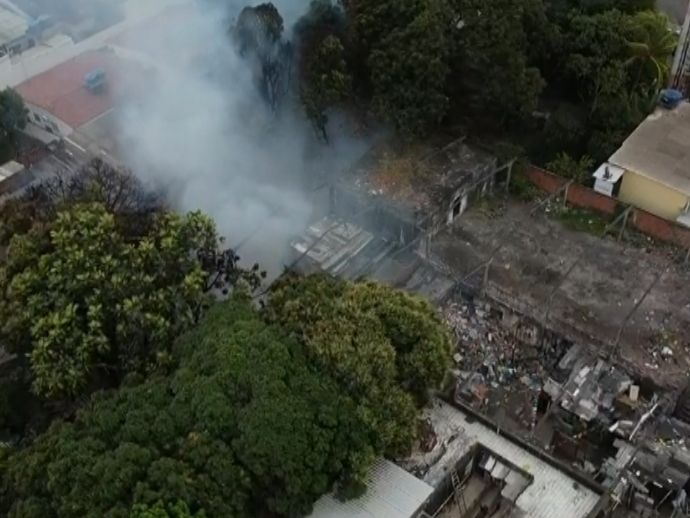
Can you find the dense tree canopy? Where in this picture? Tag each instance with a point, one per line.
(83, 303)
(98, 278)
(251, 421)
(258, 35)
(650, 43)
(410, 68)
(492, 58)
(160, 510)
(326, 81)
(591, 70)
(386, 348)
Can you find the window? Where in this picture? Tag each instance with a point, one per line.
(456, 209)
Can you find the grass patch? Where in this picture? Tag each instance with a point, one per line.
(581, 220)
(522, 188)
(489, 205)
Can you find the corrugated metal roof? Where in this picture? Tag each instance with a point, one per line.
(391, 493)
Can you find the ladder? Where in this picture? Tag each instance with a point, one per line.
(457, 492)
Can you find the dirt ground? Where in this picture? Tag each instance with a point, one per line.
(533, 272)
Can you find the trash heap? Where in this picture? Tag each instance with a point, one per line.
(656, 473)
(497, 361)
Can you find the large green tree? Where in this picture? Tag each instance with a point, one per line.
(595, 62)
(246, 426)
(410, 69)
(651, 44)
(87, 304)
(95, 256)
(372, 21)
(13, 117)
(491, 64)
(386, 348)
(325, 82)
(258, 35)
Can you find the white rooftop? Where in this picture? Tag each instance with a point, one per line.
(9, 169)
(552, 492)
(391, 493)
(659, 148)
(12, 25)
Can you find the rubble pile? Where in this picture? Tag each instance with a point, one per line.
(484, 339)
(655, 473)
(665, 349)
(592, 390)
(498, 362)
(620, 428)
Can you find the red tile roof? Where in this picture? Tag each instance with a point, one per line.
(61, 90)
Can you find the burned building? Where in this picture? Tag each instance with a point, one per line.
(426, 190)
(384, 211)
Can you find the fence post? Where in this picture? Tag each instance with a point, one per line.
(565, 194)
(486, 275)
(624, 223)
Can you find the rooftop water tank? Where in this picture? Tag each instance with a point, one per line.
(95, 80)
(670, 98)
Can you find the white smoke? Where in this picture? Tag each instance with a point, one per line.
(200, 130)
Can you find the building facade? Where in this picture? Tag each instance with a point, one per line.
(655, 165)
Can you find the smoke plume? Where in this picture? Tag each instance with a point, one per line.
(200, 130)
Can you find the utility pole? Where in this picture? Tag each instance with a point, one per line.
(681, 60)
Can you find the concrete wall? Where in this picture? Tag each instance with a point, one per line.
(646, 222)
(578, 195)
(582, 196)
(660, 228)
(63, 128)
(15, 182)
(651, 196)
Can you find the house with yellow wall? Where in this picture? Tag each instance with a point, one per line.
(655, 165)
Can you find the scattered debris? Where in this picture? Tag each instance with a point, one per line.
(613, 426)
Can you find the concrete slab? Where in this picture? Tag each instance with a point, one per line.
(589, 304)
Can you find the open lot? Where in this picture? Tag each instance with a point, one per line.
(579, 285)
